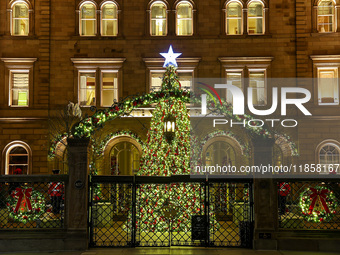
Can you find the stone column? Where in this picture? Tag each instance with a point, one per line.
(265, 198)
(77, 193)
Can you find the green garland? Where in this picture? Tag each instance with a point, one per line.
(24, 214)
(318, 204)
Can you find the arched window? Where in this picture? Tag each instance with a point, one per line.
(20, 19)
(88, 19)
(17, 158)
(158, 19)
(326, 16)
(255, 18)
(109, 25)
(234, 18)
(184, 18)
(220, 153)
(124, 157)
(329, 154)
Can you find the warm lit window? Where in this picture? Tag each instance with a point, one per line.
(109, 91)
(20, 19)
(184, 77)
(234, 18)
(255, 18)
(328, 156)
(87, 88)
(158, 20)
(17, 160)
(258, 85)
(184, 19)
(19, 88)
(326, 16)
(109, 26)
(328, 87)
(234, 77)
(88, 19)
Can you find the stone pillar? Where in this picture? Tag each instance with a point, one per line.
(77, 193)
(265, 198)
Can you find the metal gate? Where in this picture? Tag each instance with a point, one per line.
(130, 211)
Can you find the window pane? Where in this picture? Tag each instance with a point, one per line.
(158, 19)
(329, 154)
(184, 19)
(234, 14)
(88, 20)
(109, 20)
(109, 88)
(20, 19)
(125, 159)
(19, 89)
(87, 88)
(257, 82)
(156, 81)
(326, 16)
(328, 87)
(185, 78)
(18, 161)
(255, 18)
(233, 78)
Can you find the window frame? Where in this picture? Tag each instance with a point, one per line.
(102, 71)
(80, 19)
(101, 18)
(336, 98)
(166, 17)
(320, 146)
(334, 19)
(226, 17)
(7, 151)
(18, 71)
(257, 70)
(87, 71)
(192, 17)
(263, 18)
(234, 70)
(29, 10)
(97, 65)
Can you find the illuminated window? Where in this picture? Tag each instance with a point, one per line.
(255, 18)
(234, 18)
(19, 88)
(258, 85)
(326, 16)
(87, 88)
(329, 155)
(109, 26)
(17, 159)
(88, 19)
(328, 87)
(20, 19)
(184, 19)
(234, 77)
(109, 91)
(158, 20)
(184, 77)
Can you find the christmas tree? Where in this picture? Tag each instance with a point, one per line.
(164, 207)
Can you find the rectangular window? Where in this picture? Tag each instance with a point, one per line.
(234, 77)
(185, 78)
(258, 85)
(19, 88)
(328, 87)
(156, 81)
(109, 91)
(87, 88)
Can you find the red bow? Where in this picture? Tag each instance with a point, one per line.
(318, 194)
(20, 193)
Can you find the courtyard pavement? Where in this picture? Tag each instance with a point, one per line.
(174, 251)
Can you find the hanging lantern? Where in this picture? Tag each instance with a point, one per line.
(169, 127)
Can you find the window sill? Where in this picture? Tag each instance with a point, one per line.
(331, 34)
(16, 37)
(97, 37)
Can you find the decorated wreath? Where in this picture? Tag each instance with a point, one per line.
(25, 204)
(318, 204)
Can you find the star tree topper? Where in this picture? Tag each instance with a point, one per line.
(170, 57)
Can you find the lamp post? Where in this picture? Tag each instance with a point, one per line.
(169, 127)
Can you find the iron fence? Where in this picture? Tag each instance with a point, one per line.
(309, 204)
(28, 202)
(128, 211)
